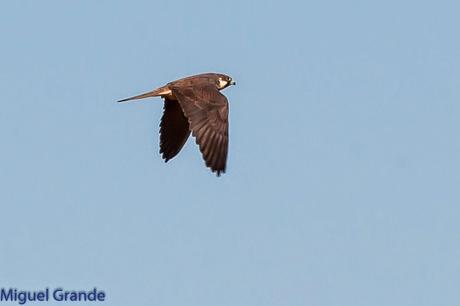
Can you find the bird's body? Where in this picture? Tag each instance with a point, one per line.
(194, 105)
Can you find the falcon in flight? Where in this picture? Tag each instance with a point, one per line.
(194, 105)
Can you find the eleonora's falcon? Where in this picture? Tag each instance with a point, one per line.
(194, 104)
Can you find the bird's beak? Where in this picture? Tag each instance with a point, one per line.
(142, 96)
(233, 83)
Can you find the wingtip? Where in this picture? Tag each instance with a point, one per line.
(219, 172)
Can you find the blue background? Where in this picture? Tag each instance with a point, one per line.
(343, 173)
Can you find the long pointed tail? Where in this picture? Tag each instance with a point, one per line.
(153, 93)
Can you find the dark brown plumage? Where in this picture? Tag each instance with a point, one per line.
(195, 104)
(174, 129)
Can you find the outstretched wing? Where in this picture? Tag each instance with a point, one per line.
(207, 112)
(174, 129)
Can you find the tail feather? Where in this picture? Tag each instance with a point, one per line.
(153, 93)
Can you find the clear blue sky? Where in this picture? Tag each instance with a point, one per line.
(344, 166)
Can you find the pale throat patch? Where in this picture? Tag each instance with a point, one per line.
(222, 83)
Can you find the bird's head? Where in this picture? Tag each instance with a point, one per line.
(224, 81)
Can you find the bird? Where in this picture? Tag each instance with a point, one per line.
(194, 105)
